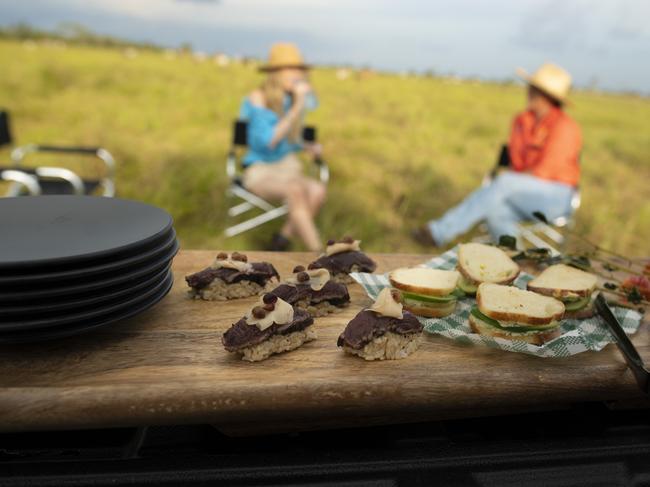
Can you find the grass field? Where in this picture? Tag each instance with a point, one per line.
(401, 149)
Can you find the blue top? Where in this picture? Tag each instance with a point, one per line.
(261, 124)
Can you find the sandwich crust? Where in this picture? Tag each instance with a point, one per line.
(534, 338)
(555, 314)
(558, 293)
(412, 288)
(510, 266)
(561, 280)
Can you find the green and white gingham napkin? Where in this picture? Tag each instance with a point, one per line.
(577, 335)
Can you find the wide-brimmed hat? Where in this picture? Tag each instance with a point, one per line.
(284, 55)
(550, 79)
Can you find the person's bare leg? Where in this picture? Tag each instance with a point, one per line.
(287, 230)
(300, 220)
(300, 215)
(316, 194)
(272, 189)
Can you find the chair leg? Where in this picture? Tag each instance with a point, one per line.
(529, 236)
(551, 233)
(254, 222)
(240, 208)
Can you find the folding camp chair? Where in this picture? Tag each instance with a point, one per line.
(53, 180)
(248, 200)
(538, 233)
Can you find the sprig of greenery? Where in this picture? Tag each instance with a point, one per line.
(596, 249)
(584, 262)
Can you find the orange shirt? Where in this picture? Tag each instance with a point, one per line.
(548, 148)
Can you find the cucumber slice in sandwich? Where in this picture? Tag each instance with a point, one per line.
(577, 305)
(429, 299)
(466, 286)
(514, 314)
(516, 328)
(427, 292)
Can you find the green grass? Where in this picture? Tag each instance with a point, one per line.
(401, 149)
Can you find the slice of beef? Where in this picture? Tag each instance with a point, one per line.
(342, 262)
(368, 325)
(332, 292)
(260, 273)
(242, 335)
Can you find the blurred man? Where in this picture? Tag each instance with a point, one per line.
(544, 150)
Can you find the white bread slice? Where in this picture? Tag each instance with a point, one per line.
(562, 280)
(510, 305)
(535, 338)
(422, 280)
(486, 263)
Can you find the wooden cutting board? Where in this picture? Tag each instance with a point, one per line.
(167, 366)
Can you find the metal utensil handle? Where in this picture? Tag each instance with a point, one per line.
(625, 345)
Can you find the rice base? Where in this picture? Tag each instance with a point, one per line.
(277, 344)
(343, 277)
(219, 290)
(319, 309)
(389, 346)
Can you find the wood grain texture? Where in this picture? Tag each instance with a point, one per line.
(168, 366)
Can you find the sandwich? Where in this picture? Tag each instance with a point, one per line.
(514, 314)
(427, 292)
(271, 326)
(232, 277)
(343, 257)
(572, 286)
(385, 331)
(314, 291)
(479, 263)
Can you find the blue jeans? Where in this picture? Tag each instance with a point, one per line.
(510, 198)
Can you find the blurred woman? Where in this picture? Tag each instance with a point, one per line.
(273, 171)
(544, 152)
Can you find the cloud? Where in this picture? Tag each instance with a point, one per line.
(591, 38)
(582, 25)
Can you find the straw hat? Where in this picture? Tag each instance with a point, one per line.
(284, 55)
(549, 78)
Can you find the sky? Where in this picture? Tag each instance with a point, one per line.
(603, 43)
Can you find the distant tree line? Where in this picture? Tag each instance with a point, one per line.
(71, 33)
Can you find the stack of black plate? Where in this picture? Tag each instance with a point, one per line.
(70, 264)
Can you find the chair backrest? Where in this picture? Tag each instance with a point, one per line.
(240, 134)
(504, 157)
(5, 129)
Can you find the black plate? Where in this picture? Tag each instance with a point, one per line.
(54, 305)
(86, 325)
(83, 314)
(94, 268)
(84, 286)
(53, 230)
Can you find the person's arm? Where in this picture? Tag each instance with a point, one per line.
(293, 114)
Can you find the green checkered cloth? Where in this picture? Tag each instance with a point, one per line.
(577, 335)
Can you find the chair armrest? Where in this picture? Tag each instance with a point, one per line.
(231, 165)
(19, 153)
(19, 177)
(323, 169)
(63, 174)
(107, 182)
